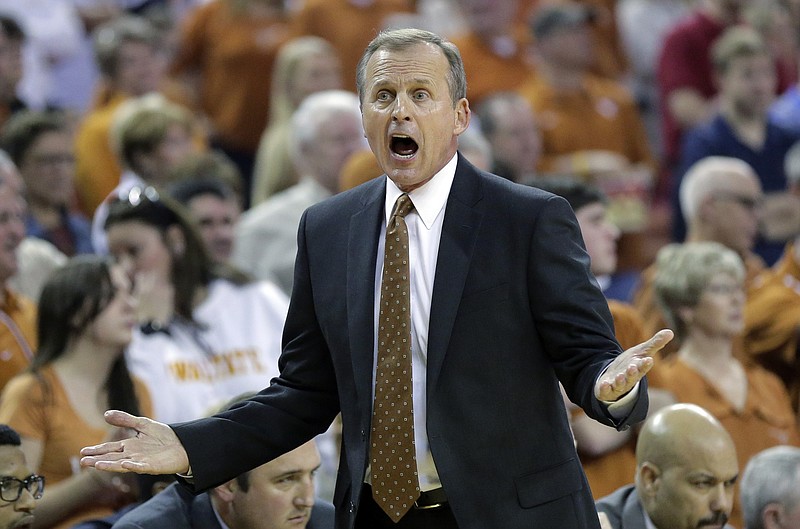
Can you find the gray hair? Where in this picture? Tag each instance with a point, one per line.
(402, 39)
(771, 476)
(706, 177)
(683, 271)
(313, 111)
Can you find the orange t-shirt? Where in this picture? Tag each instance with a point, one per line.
(44, 413)
(348, 25)
(767, 418)
(233, 54)
(600, 116)
(17, 335)
(489, 70)
(97, 168)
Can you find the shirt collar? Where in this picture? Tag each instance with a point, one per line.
(430, 198)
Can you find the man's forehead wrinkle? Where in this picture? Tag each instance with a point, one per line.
(404, 66)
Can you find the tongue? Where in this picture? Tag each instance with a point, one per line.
(404, 146)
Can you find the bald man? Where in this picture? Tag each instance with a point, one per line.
(685, 474)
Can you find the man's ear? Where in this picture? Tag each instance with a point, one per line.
(649, 479)
(176, 242)
(771, 516)
(463, 114)
(227, 491)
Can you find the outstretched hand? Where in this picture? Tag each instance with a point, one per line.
(155, 449)
(630, 367)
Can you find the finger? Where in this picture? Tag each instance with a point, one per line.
(658, 341)
(125, 420)
(639, 367)
(111, 466)
(103, 449)
(96, 461)
(136, 466)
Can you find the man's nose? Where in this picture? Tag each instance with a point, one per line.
(305, 494)
(400, 111)
(722, 499)
(26, 502)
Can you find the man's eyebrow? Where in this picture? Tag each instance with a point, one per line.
(297, 471)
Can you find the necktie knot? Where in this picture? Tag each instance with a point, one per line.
(403, 206)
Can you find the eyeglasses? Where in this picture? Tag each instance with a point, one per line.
(11, 488)
(751, 203)
(725, 289)
(52, 159)
(136, 195)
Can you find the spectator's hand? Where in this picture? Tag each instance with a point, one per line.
(155, 449)
(630, 367)
(780, 216)
(111, 489)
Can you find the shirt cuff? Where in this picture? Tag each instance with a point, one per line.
(621, 407)
(188, 476)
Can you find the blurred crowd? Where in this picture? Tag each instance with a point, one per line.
(156, 157)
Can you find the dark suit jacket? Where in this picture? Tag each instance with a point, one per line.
(624, 509)
(177, 508)
(514, 310)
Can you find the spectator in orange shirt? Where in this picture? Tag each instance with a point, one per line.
(17, 313)
(588, 124)
(701, 287)
(127, 54)
(494, 48)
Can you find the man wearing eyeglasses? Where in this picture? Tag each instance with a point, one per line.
(19, 489)
(742, 128)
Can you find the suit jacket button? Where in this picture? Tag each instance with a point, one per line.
(363, 435)
(352, 507)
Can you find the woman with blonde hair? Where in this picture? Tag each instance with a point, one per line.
(304, 65)
(700, 287)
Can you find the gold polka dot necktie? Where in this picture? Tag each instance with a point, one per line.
(395, 485)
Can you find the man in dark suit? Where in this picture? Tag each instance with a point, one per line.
(276, 495)
(502, 306)
(685, 475)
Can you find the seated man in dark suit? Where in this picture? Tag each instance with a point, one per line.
(685, 475)
(275, 495)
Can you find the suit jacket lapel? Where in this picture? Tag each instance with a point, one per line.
(459, 231)
(361, 262)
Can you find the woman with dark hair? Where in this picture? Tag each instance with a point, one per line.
(207, 333)
(85, 321)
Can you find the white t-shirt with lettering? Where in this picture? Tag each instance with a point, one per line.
(190, 372)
